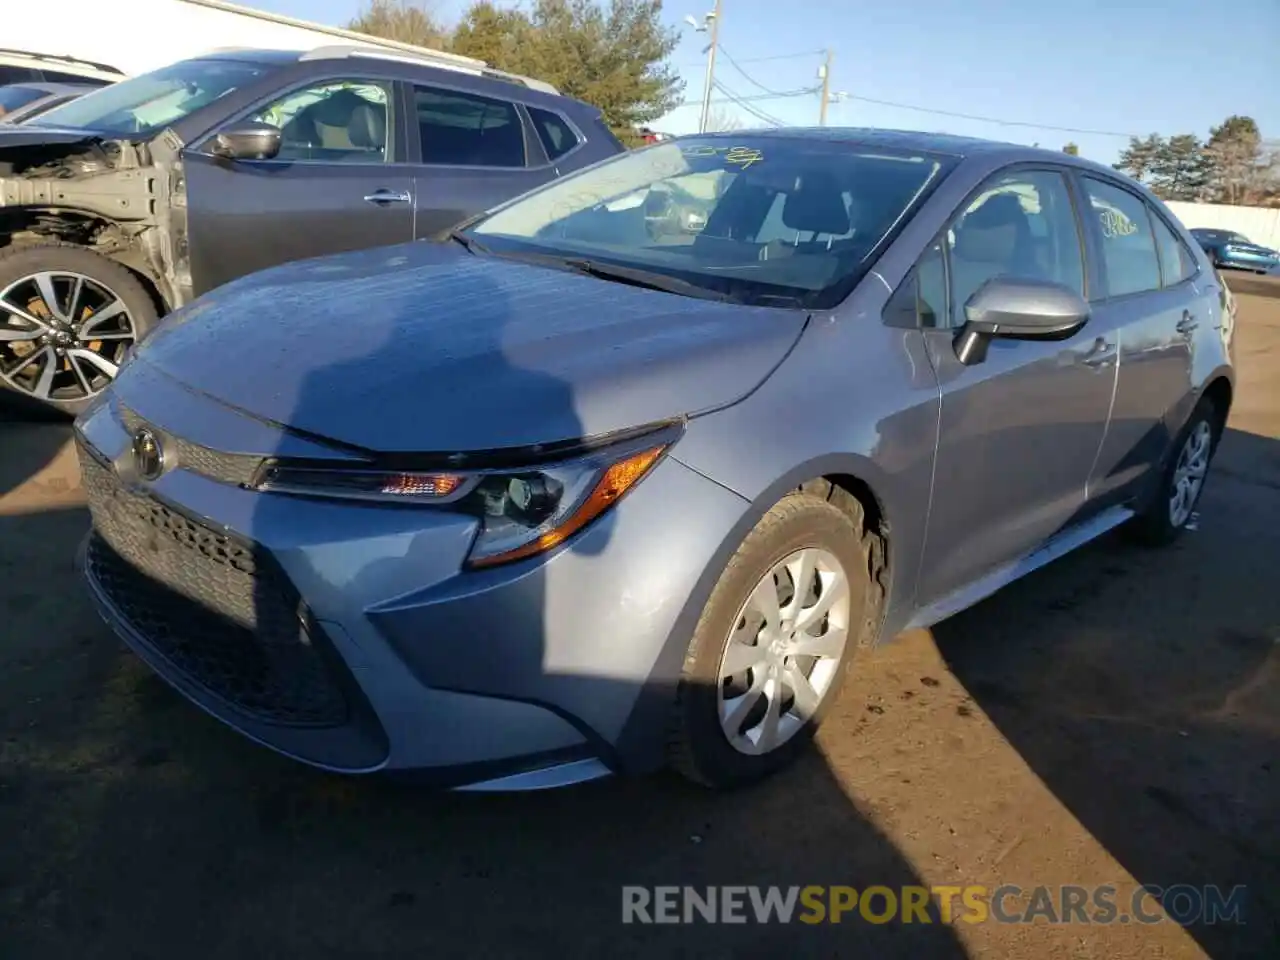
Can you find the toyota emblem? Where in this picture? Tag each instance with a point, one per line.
(148, 457)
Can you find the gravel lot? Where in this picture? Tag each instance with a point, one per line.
(1112, 719)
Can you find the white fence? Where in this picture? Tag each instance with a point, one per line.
(1259, 224)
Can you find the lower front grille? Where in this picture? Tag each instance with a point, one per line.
(210, 606)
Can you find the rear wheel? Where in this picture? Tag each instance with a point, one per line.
(769, 654)
(68, 319)
(1182, 482)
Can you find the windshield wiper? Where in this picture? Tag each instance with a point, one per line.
(635, 277)
(471, 244)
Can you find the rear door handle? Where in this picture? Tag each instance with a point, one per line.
(388, 196)
(1102, 354)
(1187, 324)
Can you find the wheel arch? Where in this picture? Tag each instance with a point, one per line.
(100, 234)
(638, 748)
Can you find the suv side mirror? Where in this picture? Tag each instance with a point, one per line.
(251, 140)
(1015, 308)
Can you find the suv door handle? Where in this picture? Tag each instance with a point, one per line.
(1187, 324)
(388, 196)
(1103, 352)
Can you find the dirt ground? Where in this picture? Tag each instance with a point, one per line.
(1114, 719)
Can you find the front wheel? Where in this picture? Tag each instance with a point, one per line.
(771, 648)
(1182, 483)
(68, 319)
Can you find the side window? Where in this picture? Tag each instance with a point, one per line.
(463, 129)
(339, 121)
(10, 75)
(557, 136)
(1175, 259)
(1128, 244)
(1021, 225)
(57, 76)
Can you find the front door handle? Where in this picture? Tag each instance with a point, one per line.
(381, 197)
(1187, 324)
(1102, 354)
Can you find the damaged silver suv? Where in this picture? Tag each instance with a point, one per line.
(137, 198)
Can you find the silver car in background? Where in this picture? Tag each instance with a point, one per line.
(571, 496)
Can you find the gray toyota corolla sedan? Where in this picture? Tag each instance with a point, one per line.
(628, 471)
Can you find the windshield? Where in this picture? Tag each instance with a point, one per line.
(1220, 236)
(760, 219)
(154, 100)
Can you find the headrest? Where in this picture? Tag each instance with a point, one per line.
(368, 127)
(992, 232)
(816, 205)
(335, 110)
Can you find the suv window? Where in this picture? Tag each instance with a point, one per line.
(1176, 263)
(1022, 225)
(10, 75)
(57, 76)
(557, 136)
(339, 121)
(464, 129)
(1128, 245)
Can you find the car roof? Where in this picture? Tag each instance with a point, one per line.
(56, 62)
(427, 59)
(938, 143)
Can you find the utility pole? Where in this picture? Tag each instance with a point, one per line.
(826, 90)
(713, 25)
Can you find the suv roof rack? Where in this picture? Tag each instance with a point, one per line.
(434, 58)
(58, 58)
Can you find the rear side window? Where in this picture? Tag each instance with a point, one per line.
(1128, 243)
(557, 136)
(10, 75)
(57, 76)
(1176, 263)
(462, 129)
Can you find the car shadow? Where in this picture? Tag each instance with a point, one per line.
(30, 439)
(223, 844)
(1153, 716)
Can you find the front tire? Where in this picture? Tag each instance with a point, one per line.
(1164, 518)
(768, 657)
(68, 318)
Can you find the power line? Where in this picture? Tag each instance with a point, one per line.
(996, 120)
(756, 97)
(776, 56)
(750, 79)
(748, 107)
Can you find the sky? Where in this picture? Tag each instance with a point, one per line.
(1092, 72)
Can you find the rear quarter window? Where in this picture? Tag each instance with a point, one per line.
(556, 135)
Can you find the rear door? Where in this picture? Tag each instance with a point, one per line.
(1019, 431)
(1146, 289)
(471, 153)
(339, 183)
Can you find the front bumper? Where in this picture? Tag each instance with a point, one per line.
(347, 636)
(1246, 261)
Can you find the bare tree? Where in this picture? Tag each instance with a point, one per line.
(723, 120)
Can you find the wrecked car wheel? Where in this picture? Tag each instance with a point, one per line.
(68, 319)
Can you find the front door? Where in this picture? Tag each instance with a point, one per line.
(473, 153)
(336, 185)
(1019, 431)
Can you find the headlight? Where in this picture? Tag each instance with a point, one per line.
(522, 512)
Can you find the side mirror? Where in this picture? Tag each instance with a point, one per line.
(1014, 308)
(250, 140)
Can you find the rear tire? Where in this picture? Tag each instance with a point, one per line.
(1182, 481)
(101, 312)
(742, 657)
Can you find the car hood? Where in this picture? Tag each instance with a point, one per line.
(424, 347)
